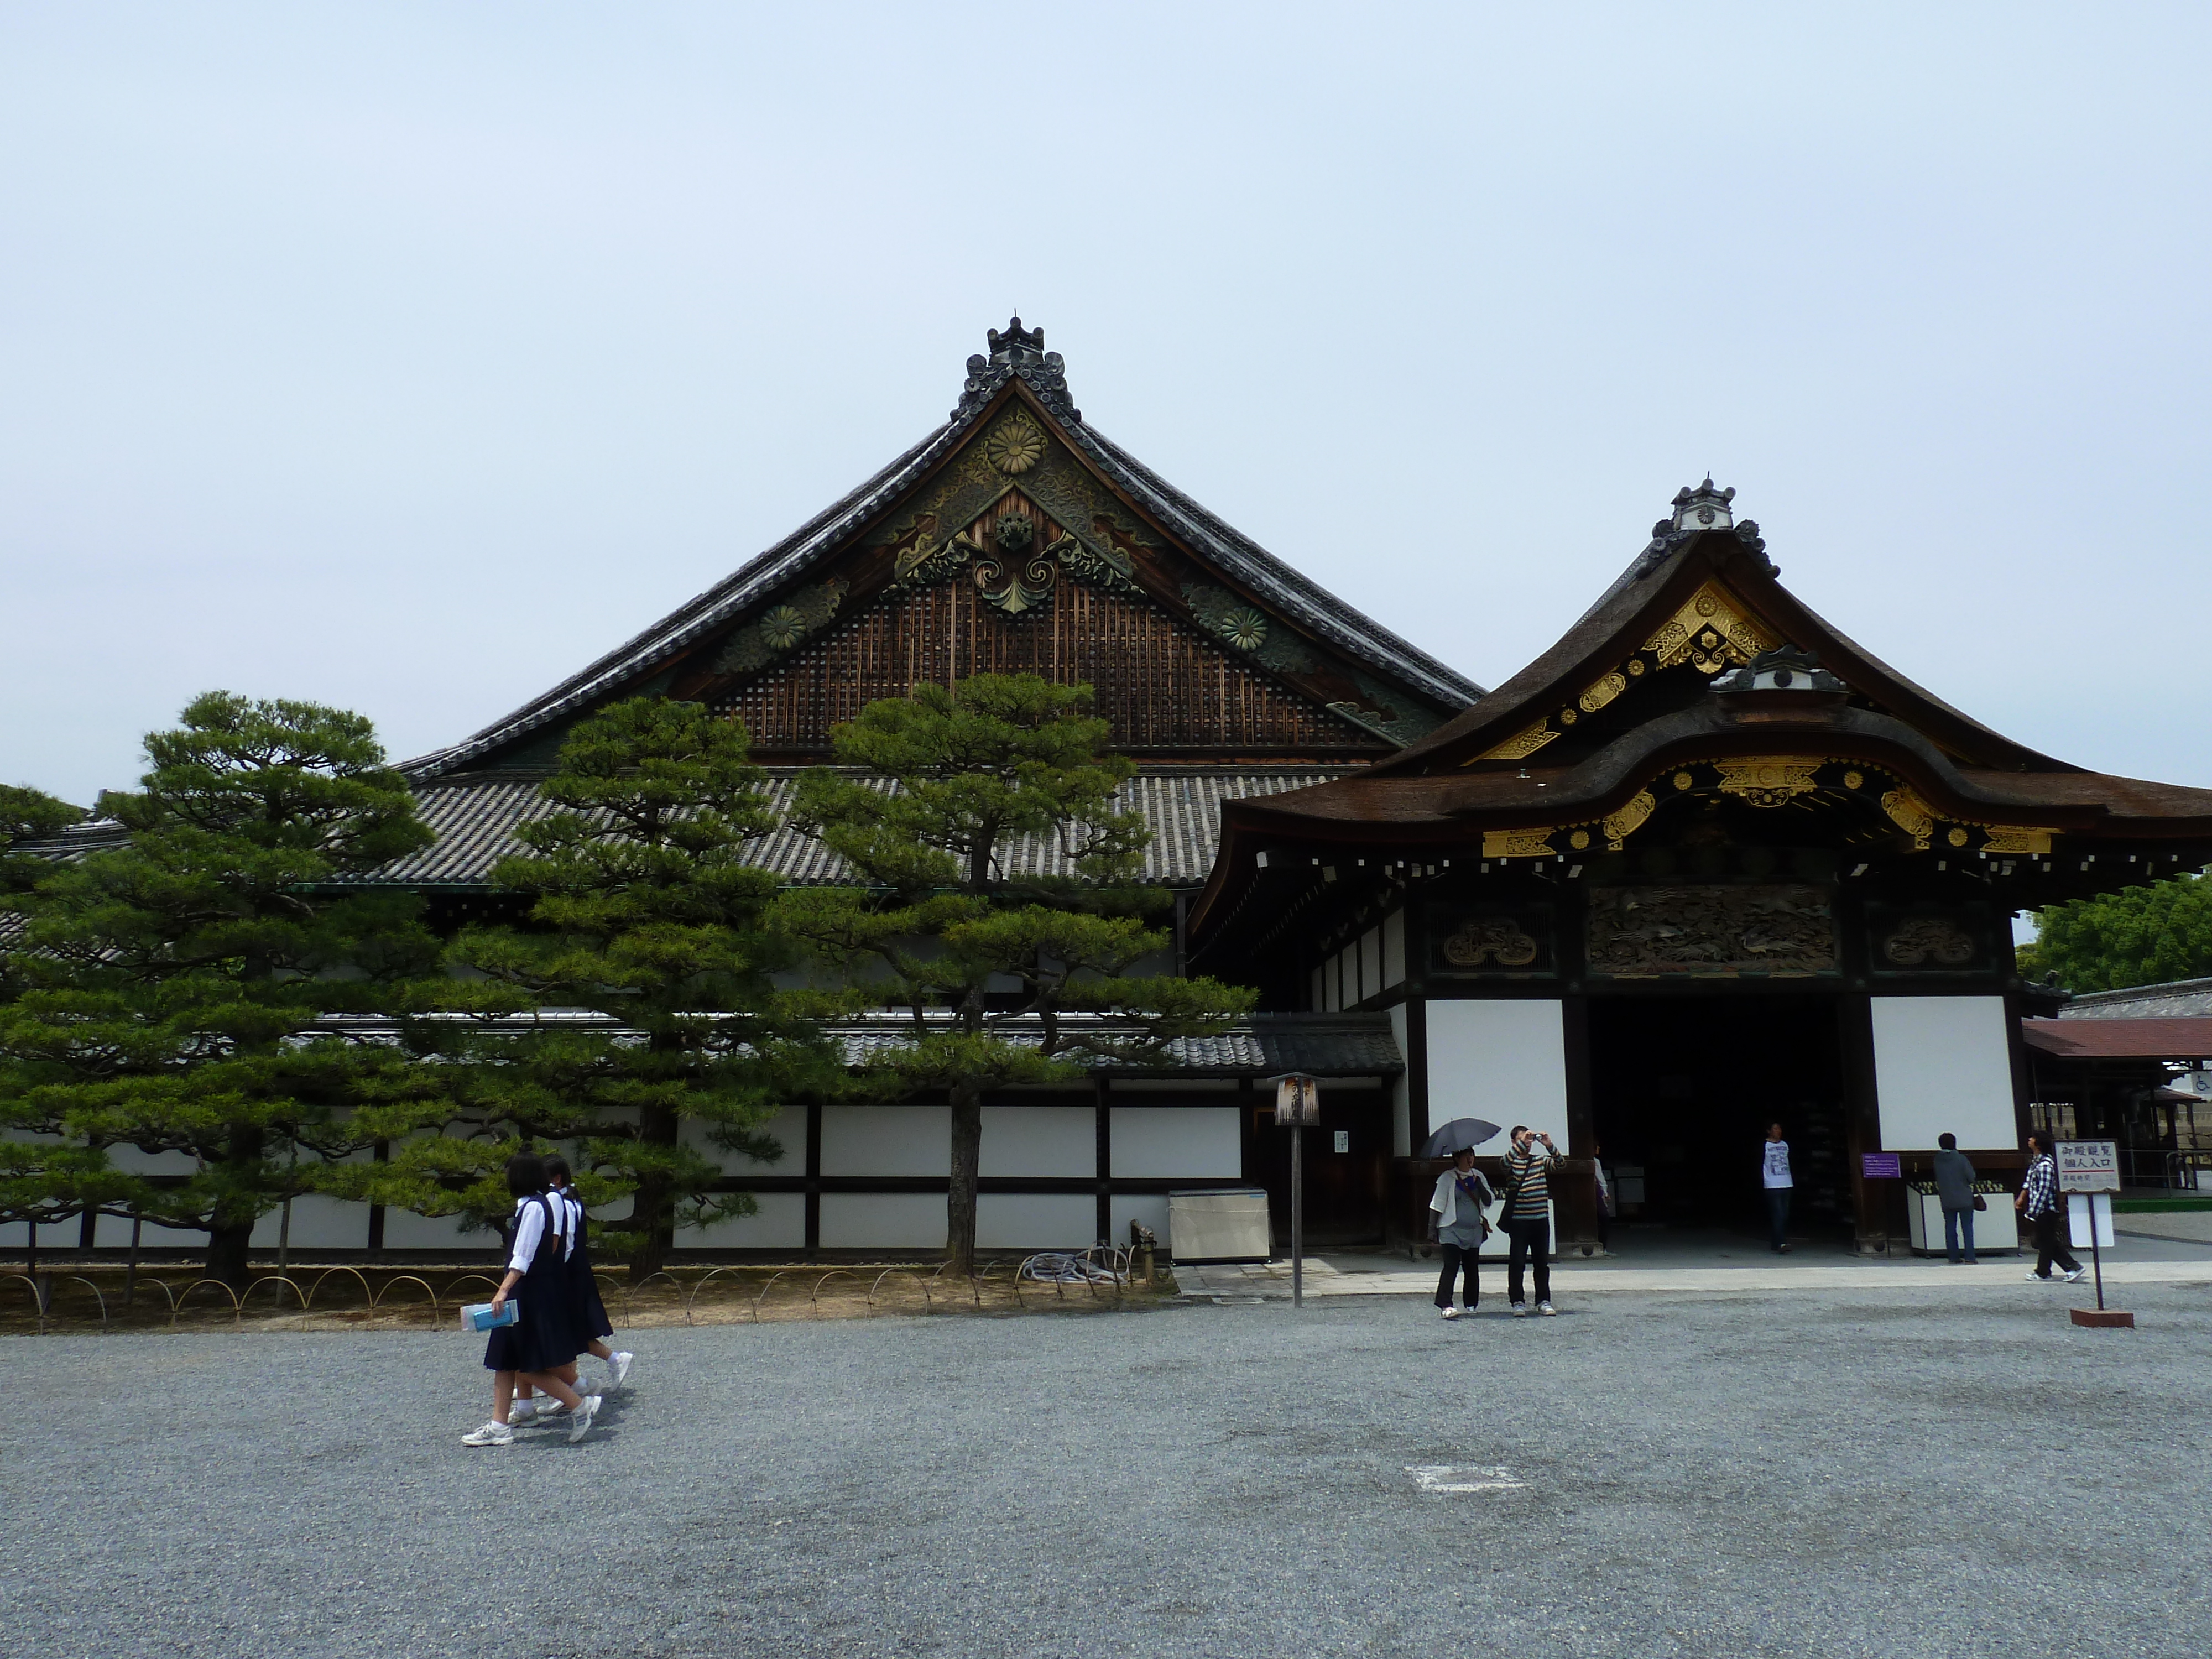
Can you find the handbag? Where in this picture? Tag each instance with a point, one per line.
(1981, 1203)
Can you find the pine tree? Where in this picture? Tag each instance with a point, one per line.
(171, 993)
(643, 910)
(939, 788)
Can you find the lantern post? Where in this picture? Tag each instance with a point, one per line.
(1297, 1107)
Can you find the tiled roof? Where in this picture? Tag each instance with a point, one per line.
(1343, 1045)
(1277, 584)
(475, 819)
(2175, 998)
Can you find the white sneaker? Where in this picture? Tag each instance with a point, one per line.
(523, 1413)
(551, 1412)
(1448, 1313)
(579, 1423)
(1520, 1310)
(2034, 1277)
(2077, 1275)
(1548, 1310)
(618, 1370)
(492, 1434)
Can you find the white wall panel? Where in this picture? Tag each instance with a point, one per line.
(405, 1231)
(1146, 1210)
(789, 1129)
(1178, 1143)
(1040, 1140)
(1943, 1063)
(779, 1224)
(1503, 1060)
(1394, 949)
(887, 1140)
(319, 1222)
(1370, 963)
(1035, 1221)
(877, 1221)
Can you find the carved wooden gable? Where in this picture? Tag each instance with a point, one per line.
(1016, 558)
(1017, 538)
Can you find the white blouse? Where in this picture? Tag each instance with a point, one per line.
(528, 1231)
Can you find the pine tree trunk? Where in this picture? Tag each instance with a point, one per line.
(652, 1209)
(960, 1195)
(227, 1250)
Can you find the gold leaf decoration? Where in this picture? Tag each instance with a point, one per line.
(1710, 631)
(1517, 843)
(2019, 840)
(1603, 693)
(1620, 824)
(1520, 744)
(1015, 444)
(1911, 814)
(1767, 780)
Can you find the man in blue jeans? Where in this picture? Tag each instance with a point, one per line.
(1775, 1173)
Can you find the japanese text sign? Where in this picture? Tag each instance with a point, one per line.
(2088, 1166)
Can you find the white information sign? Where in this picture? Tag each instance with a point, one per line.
(2088, 1166)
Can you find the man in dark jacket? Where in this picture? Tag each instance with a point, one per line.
(1954, 1186)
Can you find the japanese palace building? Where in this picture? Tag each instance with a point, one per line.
(1703, 863)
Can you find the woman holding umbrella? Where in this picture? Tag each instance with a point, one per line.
(1461, 1197)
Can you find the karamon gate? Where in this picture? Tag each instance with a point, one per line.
(1704, 865)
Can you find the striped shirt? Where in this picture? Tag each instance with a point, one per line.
(1527, 1175)
(2041, 1188)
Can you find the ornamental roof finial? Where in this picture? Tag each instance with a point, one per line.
(1018, 345)
(1704, 508)
(1018, 353)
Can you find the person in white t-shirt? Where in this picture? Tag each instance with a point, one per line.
(1774, 1173)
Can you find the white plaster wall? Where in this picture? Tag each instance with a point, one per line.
(1370, 963)
(1178, 1143)
(887, 1140)
(1394, 949)
(876, 1221)
(1402, 1088)
(789, 1126)
(1943, 1063)
(780, 1224)
(1040, 1140)
(318, 1222)
(1503, 1060)
(1145, 1209)
(405, 1231)
(1035, 1221)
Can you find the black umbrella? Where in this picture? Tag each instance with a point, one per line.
(1459, 1135)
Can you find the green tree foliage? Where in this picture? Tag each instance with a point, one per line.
(28, 815)
(642, 911)
(941, 787)
(171, 993)
(2139, 936)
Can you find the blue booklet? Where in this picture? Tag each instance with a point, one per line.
(478, 1316)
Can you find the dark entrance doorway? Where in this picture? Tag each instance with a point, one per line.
(1682, 1089)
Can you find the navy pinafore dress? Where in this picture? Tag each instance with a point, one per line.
(585, 1310)
(543, 1338)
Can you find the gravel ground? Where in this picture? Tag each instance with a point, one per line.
(1830, 1473)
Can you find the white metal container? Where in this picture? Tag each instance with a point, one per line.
(1996, 1228)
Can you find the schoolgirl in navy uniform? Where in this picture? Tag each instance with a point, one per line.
(540, 1342)
(585, 1310)
(587, 1315)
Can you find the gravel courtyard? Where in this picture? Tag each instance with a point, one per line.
(1824, 1473)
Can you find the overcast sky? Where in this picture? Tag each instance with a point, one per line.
(408, 357)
